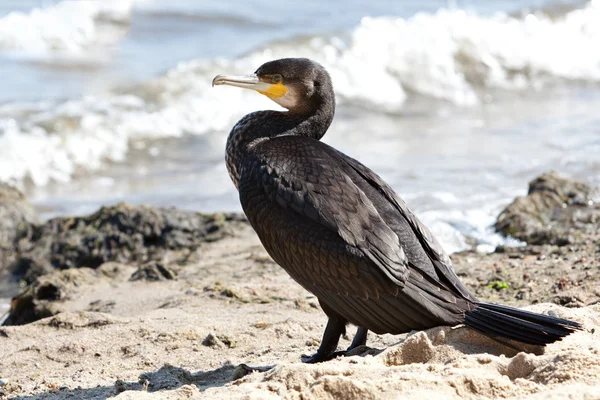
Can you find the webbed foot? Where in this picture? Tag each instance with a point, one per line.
(332, 334)
(321, 357)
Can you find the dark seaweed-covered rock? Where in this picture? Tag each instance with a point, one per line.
(17, 221)
(556, 211)
(56, 257)
(121, 233)
(41, 299)
(44, 297)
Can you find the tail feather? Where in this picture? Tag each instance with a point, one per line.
(492, 328)
(519, 325)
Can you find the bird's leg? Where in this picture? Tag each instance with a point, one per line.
(334, 329)
(360, 339)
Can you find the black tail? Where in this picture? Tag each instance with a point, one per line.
(519, 325)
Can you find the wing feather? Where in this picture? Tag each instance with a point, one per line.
(325, 194)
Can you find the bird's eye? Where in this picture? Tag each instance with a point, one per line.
(277, 78)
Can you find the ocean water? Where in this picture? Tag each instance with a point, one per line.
(457, 104)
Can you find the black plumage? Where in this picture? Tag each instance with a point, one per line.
(340, 231)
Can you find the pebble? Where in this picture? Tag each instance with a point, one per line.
(3, 382)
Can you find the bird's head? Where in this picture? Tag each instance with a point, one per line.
(298, 84)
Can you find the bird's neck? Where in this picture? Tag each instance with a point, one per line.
(264, 125)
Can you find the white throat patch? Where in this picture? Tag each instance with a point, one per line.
(289, 100)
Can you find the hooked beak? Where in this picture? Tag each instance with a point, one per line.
(272, 90)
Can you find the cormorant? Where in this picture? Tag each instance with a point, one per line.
(340, 231)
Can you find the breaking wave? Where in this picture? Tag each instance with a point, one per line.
(66, 29)
(451, 55)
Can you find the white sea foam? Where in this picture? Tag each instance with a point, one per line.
(451, 55)
(68, 28)
(452, 226)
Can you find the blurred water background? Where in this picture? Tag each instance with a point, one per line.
(457, 104)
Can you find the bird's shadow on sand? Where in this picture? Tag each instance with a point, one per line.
(168, 377)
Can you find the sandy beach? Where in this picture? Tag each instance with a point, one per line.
(185, 319)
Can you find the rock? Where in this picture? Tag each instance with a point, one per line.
(154, 271)
(121, 233)
(556, 211)
(44, 296)
(17, 222)
(219, 341)
(41, 298)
